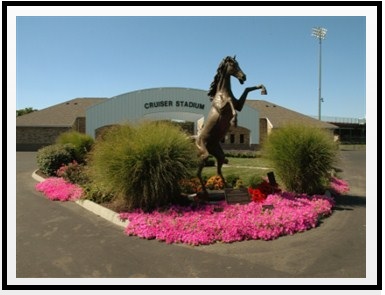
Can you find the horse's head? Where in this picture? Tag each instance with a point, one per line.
(232, 68)
(228, 67)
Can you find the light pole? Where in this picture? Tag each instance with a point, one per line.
(320, 34)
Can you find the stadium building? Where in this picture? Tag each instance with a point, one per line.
(188, 107)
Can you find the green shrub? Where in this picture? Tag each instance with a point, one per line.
(73, 172)
(190, 186)
(255, 180)
(240, 154)
(143, 164)
(239, 184)
(232, 180)
(96, 193)
(210, 161)
(81, 142)
(52, 157)
(302, 156)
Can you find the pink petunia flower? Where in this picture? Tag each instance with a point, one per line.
(290, 213)
(56, 188)
(338, 185)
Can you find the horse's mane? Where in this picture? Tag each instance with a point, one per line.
(218, 77)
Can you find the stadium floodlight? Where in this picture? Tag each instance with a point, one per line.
(320, 34)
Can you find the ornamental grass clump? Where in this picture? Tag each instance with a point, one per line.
(143, 164)
(302, 156)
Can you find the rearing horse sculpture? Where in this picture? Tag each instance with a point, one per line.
(221, 115)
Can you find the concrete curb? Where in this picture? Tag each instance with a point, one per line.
(103, 212)
(94, 208)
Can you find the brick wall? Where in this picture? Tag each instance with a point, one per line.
(262, 130)
(237, 138)
(33, 138)
(80, 124)
(99, 132)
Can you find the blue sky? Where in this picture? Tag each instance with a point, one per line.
(59, 58)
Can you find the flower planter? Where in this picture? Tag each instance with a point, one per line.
(240, 196)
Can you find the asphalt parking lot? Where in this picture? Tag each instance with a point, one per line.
(63, 240)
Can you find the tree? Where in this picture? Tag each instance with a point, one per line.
(24, 111)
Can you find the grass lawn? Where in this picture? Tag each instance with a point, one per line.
(242, 167)
(352, 147)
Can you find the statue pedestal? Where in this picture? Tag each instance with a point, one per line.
(230, 195)
(216, 196)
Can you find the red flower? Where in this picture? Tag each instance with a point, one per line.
(260, 193)
(256, 194)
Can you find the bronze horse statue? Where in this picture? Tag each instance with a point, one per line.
(222, 114)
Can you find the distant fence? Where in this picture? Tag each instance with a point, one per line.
(346, 120)
(353, 140)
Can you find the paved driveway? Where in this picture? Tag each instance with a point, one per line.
(63, 240)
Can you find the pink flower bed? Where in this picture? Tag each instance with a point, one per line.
(288, 214)
(339, 186)
(281, 213)
(56, 188)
